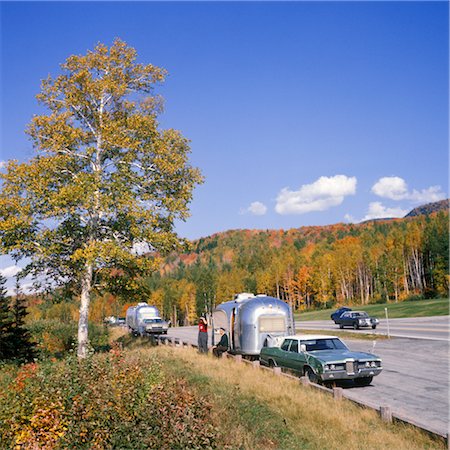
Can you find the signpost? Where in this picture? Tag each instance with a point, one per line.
(387, 322)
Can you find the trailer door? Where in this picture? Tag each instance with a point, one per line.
(220, 321)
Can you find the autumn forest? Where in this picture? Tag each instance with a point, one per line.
(309, 267)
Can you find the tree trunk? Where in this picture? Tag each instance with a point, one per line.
(86, 284)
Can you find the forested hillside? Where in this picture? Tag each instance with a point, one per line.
(309, 266)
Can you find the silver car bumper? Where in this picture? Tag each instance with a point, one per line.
(331, 375)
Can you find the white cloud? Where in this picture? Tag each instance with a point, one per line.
(349, 218)
(324, 193)
(395, 188)
(10, 271)
(255, 208)
(2, 164)
(378, 211)
(431, 194)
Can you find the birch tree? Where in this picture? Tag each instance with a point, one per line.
(105, 178)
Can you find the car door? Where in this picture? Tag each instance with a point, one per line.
(283, 354)
(294, 360)
(346, 319)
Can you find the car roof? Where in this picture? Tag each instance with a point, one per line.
(310, 336)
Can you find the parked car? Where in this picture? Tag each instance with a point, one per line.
(356, 319)
(339, 312)
(144, 319)
(322, 358)
(114, 321)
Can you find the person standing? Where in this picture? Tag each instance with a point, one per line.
(202, 335)
(223, 345)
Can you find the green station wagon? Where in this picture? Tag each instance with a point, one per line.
(322, 359)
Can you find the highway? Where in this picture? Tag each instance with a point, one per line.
(430, 328)
(415, 377)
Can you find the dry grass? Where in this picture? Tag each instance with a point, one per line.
(115, 333)
(312, 420)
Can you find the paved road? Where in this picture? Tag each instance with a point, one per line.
(414, 381)
(434, 328)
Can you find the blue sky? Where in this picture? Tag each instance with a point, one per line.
(299, 113)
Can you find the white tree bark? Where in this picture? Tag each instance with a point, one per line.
(86, 284)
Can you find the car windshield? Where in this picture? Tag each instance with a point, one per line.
(324, 344)
(152, 321)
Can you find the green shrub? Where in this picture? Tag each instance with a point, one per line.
(414, 297)
(55, 338)
(111, 400)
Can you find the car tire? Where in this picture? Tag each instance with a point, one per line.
(355, 326)
(365, 381)
(341, 326)
(312, 377)
(271, 363)
(373, 327)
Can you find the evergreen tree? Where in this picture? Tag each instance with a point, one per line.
(22, 345)
(6, 342)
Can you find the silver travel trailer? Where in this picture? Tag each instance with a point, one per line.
(145, 319)
(252, 322)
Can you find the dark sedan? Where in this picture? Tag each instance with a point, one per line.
(338, 313)
(356, 320)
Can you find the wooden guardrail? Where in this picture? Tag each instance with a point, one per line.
(385, 411)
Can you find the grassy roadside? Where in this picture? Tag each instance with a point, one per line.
(417, 308)
(254, 409)
(346, 334)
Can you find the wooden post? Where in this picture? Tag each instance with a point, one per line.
(304, 381)
(277, 371)
(255, 364)
(238, 358)
(338, 393)
(386, 414)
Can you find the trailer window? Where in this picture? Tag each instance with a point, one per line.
(272, 324)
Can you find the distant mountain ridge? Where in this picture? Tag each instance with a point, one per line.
(222, 247)
(429, 208)
(422, 210)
